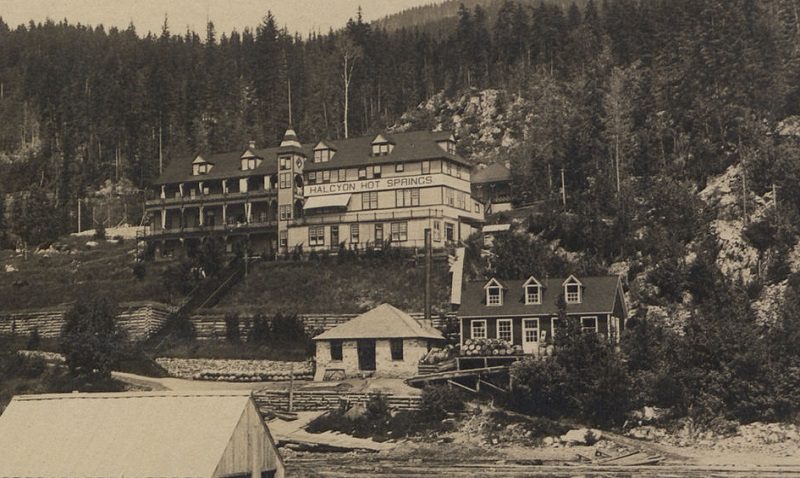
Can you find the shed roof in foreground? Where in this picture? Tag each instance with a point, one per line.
(382, 322)
(132, 435)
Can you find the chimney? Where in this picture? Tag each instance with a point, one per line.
(252, 144)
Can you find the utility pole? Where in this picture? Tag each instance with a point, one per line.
(428, 266)
(160, 151)
(563, 189)
(744, 197)
(79, 215)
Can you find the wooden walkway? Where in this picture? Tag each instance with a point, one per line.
(292, 432)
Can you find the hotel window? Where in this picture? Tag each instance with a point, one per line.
(376, 171)
(396, 346)
(326, 176)
(202, 168)
(533, 294)
(379, 234)
(399, 168)
(283, 241)
(322, 155)
(407, 197)
(478, 329)
(437, 231)
(477, 207)
(449, 197)
(449, 231)
(573, 293)
(504, 330)
(461, 200)
(286, 180)
(369, 200)
(494, 295)
(426, 167)
(285, 163)
(336, 350)
(286, 212)
(381, 149)
(354, 234)
(399, 231)
(312, 177)
(451, 147)
(362, 173)
(342, 175)
(248, 164)
(588, 324)
(316, 235)
(448, 168)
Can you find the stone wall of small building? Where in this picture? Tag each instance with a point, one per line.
(413, 350)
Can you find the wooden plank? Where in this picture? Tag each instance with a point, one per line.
(451, 382)
(491, 385)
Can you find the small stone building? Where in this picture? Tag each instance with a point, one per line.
(384, 342)
(142, 434)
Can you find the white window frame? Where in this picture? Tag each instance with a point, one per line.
(510, 323)
(376, 171)
(553, 326)
(538, 299)
(362, 173)
(399, 231)
(472, 327)
(367, 202)
(399, 167)
(525, 329)
(326, 176)
(592, 328)
(316, 235)
(498, 295)
(355, 234)
(576, 296)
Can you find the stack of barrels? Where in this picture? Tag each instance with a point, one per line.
(489, 347)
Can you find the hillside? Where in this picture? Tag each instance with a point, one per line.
(322, 286)
(75, 266)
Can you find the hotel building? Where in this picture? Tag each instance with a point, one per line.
(359, 192)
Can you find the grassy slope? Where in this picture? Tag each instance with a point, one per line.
(327, 287)
(61, 277)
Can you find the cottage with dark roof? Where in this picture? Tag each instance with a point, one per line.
(525, 312)
(357, 192)
(384, 342)
(492, 185)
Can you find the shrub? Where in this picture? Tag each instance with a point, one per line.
(100, 232)
(139, 270)
(288, 328)
(90, 340)
(440, 400)
(34, 341)
(261, 332)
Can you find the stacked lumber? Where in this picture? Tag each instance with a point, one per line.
(438, 354)
(318, 400)
(489, 347)
(252, 376)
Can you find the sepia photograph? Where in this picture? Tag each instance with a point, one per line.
(399, 238)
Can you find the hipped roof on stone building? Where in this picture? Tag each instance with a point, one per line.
(382, 322)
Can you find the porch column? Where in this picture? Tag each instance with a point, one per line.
(180, 187)
(248, 208)
(163, 192)
(163, 218)
(225, 214)
(225, 186)
(201, 216)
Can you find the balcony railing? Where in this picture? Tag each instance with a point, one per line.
(366, 216)
(207, 198)
(149, 232)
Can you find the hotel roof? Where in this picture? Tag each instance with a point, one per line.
(354, 152)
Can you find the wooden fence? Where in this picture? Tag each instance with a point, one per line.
(320, 400)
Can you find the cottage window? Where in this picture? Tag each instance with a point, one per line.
(354, 233)
(573, 293)
(369, 200)
(316, 235)
(399, 167)
(589, 324)
(494, 295)
(533, 294)
(504, 330)
(399, 231)
(396, 346)
(478, 329)
(336, 350)
(426, 167)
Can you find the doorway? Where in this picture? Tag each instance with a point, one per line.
(530, 336)
(366, 354)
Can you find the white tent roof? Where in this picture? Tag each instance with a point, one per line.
(337, 200)
(131, 435)
(382, 322)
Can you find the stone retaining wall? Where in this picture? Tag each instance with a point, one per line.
(307, 401)
(139, 319)
(212, 326)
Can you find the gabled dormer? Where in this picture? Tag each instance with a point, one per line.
(249, 159)
(448, 144)
(532, 290)
(201, 166)
(494, 293)
(323, 152)
(573, 290)
(381, 146)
